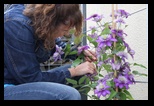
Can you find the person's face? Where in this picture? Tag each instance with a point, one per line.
(63, 29)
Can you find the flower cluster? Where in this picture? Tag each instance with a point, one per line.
(58, 53)
(114, 74)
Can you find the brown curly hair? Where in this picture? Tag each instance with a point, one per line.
(46, 19)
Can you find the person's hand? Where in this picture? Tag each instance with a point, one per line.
(82, 69)
(90, 55)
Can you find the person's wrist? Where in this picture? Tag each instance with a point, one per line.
(72, 71)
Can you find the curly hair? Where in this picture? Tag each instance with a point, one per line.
(46, 18)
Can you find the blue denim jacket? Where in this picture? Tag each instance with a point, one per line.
(23, 53)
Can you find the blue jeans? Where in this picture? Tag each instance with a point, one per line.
(41, 91)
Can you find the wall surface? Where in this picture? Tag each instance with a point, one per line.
(137, 39)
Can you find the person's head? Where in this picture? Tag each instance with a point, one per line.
(54, 20)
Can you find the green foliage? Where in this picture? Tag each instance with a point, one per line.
(128, 95)
(92, 41)
(140, 74)
(77, 62)
(112, 94)
(135, 64)
(77, 40)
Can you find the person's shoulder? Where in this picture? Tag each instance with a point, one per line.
(15, 12)
(13, 8)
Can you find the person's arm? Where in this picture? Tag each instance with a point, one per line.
(20, 58)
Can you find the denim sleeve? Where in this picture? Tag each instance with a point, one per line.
(20, 58)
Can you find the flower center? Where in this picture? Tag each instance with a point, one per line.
(105, 36)
(122, 79)
(101, 86)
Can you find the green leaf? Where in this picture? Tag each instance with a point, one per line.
(135, 64)
(94, 43)
(107, 68)
(128, 95)
(120, 48)
(95, 78)
(126, 26)
(120, 41)
(137, 73)
(85, 85)
(76, 62)
(87, 81)
(93, 30)
(85, 90)
(112, 94)
(67, 48)
(82, 79)
(72, 81)
(66, 53)
(106, 31)
(110, 83)
(95, 97)
(91, 40)
(77, 86)
(100, 75)
(73, 52)
(93, 85)
(78, 39)
(104, 55)
(114, 51)
(122, 96)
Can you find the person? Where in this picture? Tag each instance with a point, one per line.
(31, 34)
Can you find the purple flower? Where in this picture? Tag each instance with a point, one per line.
(122, 13)
(120, 20)
(83, 48)
(94, 15)
(131, 78)
(100, 63)
(102, 89)
(99, 51)
(125, 70)
(115, 66)
(94, 35)
(97, 18)
(92, 28)
(58, 53)
(91, 76)
(115, 15)
(122, 55)
(118, 32)
(105, 40)
(106, 77)
(122, 81)
(130, 51)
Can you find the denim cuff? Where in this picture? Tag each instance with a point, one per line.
(67, 74)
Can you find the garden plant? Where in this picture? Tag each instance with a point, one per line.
(114, 73)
